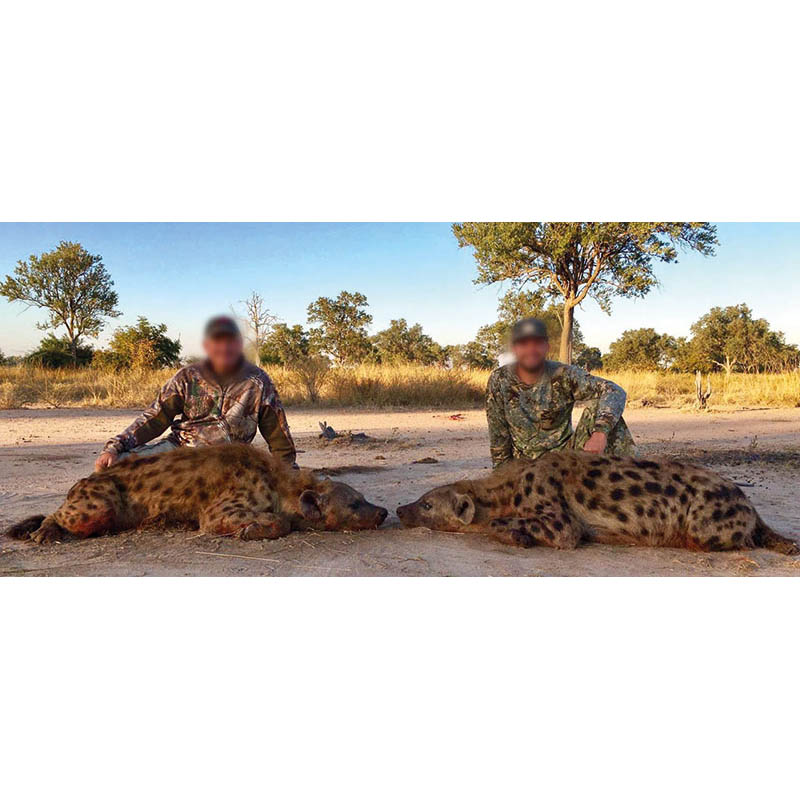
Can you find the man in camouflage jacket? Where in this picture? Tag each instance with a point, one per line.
(223, 399)
(529, 404)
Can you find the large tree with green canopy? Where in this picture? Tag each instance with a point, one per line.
(72, 284)
(575, 260)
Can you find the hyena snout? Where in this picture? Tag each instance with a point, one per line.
(367, 516)
(406, 514)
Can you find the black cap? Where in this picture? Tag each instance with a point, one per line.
(529, 328)
(221, 326)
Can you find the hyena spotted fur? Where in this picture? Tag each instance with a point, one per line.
(227, 490)
(565, 497)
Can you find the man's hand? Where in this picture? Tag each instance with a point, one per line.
(105, 459)
(596, 443)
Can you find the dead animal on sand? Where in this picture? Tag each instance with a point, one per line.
(228, 490)
(329, 436)
(566, 497)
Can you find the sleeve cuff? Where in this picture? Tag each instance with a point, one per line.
(603, 427)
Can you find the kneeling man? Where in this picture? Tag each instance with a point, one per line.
(529, 404)
(222, 399)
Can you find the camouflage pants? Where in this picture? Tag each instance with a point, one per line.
(164, 446)
(620, 440)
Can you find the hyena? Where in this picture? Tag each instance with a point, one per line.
(565, 497)
(228, 490)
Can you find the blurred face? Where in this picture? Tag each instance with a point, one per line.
(531, 353)
(224, 352)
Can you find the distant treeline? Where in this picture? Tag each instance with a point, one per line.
(725, 339)
(76, 290)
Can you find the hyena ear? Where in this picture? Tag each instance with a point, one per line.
(465, 508)
(310, 505)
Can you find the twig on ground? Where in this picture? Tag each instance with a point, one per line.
(233, 555)
(312, 546)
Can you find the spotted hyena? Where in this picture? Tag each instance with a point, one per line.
(566, 497)
(230, 490)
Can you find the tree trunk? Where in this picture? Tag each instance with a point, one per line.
(73, 346)
(565, 353)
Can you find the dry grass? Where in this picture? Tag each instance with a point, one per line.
(373, 386)
(738, 391)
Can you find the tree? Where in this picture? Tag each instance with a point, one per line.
(401, 344)
(58, 352)
(731, 339)
(285, 345)
(575, 260)
(641, 349)
(140, 346)
(342, 332)
(72, 284)
(258, 321)
(472, 355)
(514, 306)
(588, 358)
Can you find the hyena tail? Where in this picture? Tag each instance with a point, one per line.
(764, 536)
(22, 530)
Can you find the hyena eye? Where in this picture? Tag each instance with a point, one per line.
(425, 506)
(355, 505)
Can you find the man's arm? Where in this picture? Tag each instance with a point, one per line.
(500, 445)
(610, 398)
(275, 429)
(152, 422)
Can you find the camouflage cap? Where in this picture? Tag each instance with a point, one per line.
(529, 328)
(221, 326)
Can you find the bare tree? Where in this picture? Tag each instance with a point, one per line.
(258, 321)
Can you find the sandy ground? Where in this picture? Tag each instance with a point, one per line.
(43, 452)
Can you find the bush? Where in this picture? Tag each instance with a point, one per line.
(140, 346)
(55, 352)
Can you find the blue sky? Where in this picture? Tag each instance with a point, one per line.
(182, 273)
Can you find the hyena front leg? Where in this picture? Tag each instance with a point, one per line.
(230, 517)
(550, 530)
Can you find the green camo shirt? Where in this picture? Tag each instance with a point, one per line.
(526, 421)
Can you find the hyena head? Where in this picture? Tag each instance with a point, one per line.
(334, 506)
(444, 509)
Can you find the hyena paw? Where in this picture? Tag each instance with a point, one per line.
(257, 530)
(47, 534)
(522, 538)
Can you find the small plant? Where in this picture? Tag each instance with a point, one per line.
(702, 396)
(311, 373)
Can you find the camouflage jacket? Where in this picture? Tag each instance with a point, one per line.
(526, 421)
(202, 410)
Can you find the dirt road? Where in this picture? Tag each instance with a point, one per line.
(43, 452)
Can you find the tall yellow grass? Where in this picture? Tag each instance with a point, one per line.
(375, 386)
